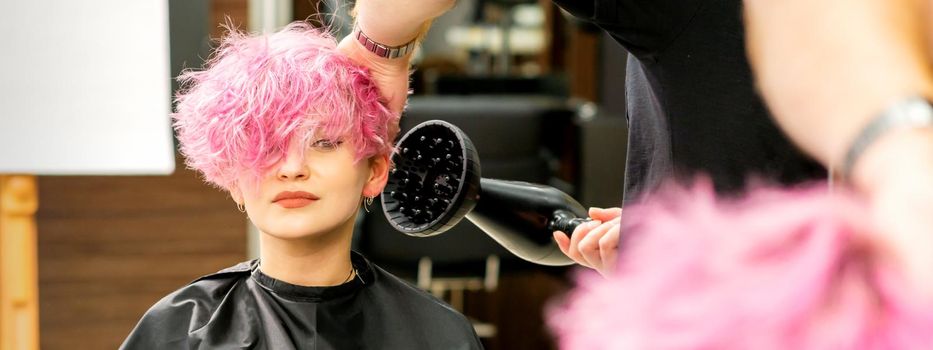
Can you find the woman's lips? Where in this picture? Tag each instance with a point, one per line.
(291, 200)
(292, 203)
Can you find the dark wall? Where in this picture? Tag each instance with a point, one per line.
(188, 35)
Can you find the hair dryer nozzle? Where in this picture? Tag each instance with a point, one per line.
(435, 181)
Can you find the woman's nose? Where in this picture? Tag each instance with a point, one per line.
(293, 167)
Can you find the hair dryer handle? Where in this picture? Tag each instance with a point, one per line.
(565, 221)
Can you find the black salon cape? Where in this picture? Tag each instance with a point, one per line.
(242, 308)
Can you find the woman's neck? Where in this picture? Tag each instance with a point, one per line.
(323, 260)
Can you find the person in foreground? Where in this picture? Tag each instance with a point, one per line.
(296, 132)
(848, 268)
(776, 269)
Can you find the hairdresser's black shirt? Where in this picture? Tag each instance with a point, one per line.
(242, 308)
(692, 107)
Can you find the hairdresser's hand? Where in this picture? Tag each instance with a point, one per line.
(392, 23)
(391, 75)
(817, 65)
(900, 190)
(594, 244)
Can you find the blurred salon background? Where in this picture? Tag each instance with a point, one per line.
(541, 96)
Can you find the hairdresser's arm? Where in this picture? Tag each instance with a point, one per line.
(393, 23)
(825, 68)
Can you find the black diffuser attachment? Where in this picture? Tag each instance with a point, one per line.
(436, 182)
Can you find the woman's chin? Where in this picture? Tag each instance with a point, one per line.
(291, 231)
(304, 227)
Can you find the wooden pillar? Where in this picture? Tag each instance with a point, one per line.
(19, 290)
(582, 62)
(235, 12)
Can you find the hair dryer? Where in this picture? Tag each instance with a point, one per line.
(437, 182)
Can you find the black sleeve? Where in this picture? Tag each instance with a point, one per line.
(644, 27)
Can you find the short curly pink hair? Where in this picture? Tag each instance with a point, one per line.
(258, 94)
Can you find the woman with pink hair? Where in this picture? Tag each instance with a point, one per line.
(297, 134)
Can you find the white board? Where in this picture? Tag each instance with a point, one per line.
(85, 87)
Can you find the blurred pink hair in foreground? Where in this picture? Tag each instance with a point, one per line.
(778, 269)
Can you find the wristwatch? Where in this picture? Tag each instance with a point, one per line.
(385, 51)
(913, 112)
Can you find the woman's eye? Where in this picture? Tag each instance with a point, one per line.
(325, 144)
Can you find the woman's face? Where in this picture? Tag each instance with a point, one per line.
(311, 196)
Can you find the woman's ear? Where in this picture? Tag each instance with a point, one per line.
(378, 176)
(236, 195)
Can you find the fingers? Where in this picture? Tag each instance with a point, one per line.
(390, 76)
(581, 232)
(593, 244)
(563, 242)
(609, 249)
(590, 247)
(604, 214)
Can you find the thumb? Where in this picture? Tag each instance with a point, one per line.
(606, 214)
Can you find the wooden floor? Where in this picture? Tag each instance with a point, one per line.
(110, 247)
